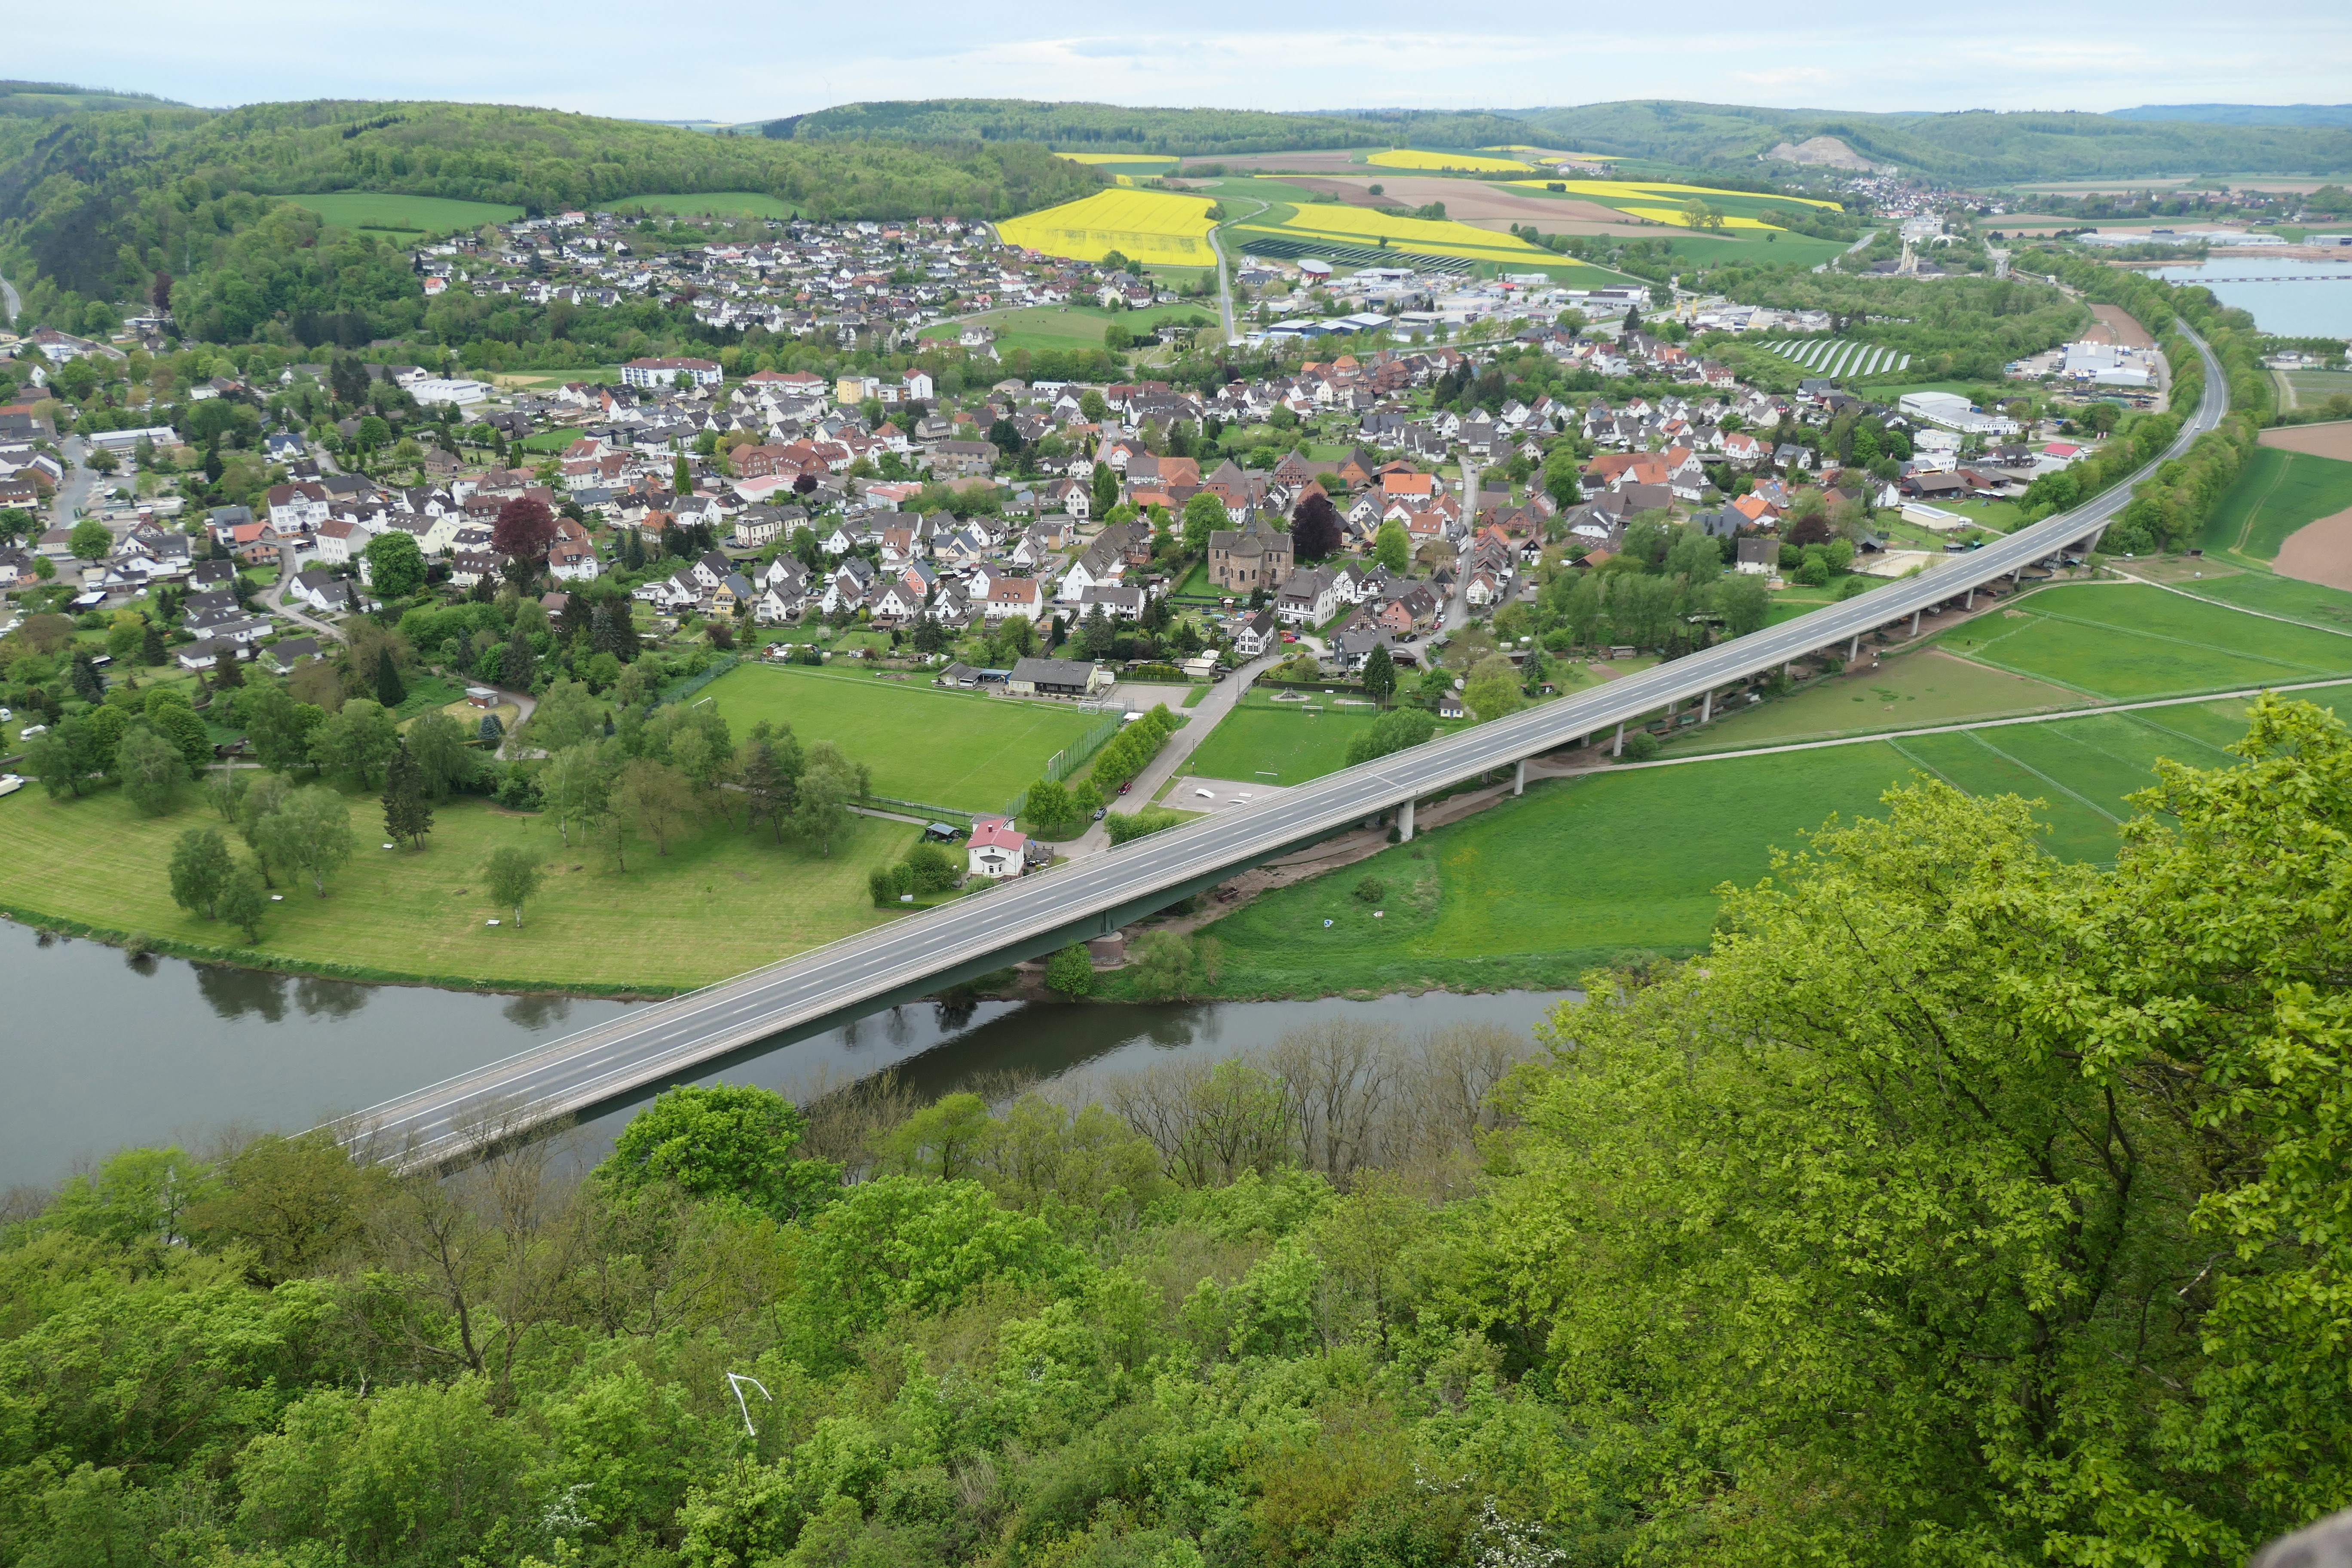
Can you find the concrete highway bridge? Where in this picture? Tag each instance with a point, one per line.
(664, 1043)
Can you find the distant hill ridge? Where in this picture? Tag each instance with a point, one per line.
(1976, 146)
(2338, 114)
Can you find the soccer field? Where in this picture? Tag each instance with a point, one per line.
(947, 748)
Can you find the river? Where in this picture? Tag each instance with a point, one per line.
(101, 1050)
(2319, 307)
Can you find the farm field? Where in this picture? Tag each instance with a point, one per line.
(2135, 641)
(1661, 202)
(712, 204)
(719, 903)
(2328, 608)
(1839, 357)
(1154, 228)
(1267, 741)
(2277, 493)
(1360, 236)
(1928, 686)
(404, 215)
(1583, 871)
(948, 747)
(2310, 386)
(2333, 439)
(1468, 162)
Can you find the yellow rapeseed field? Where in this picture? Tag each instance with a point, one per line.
(1616, 192)
(1153, 227)
(1408, 158)
(1429, 237)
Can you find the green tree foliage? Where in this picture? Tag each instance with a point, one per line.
(1392, 548)
(1071, 972)
(308, 834)
(1392, 731)
(200, 870)
(152, 769)
(1378, 678)
(725, 1141)
(1204, 515)
(510, 876)
(1127, 753)
(395, 564)
(89, 539)
(356, 743)
(245, 902)
(1124, 827)
(407, 807)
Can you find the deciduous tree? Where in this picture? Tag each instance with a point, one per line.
(200, 870)
(510, 876)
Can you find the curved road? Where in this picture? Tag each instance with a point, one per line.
(657, 1044)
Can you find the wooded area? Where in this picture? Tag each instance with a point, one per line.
(1959, 1204)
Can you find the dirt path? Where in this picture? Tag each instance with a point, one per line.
(2333, 440)
(2319, 553)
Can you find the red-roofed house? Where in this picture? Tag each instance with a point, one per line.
(996, 851)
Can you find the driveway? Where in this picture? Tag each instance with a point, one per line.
(1199, 719)
(273, 598)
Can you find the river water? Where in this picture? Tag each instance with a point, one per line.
(2315, 302)
(99, 1050)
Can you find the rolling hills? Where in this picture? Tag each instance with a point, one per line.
(1105, 127)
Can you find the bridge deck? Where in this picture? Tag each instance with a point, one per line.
(668, 1041)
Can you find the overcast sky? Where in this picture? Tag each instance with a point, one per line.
(662, 61)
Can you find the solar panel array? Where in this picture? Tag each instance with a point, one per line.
(1841, 358)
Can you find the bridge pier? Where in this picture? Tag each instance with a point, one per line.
(1853, 648)
(1972, 600)
(1706, 708)
(1914, 623)
(1621, 739)
(1404, 823)
(1520, 778)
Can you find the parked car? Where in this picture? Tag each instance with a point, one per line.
(1100, 811)
(10, 783)
(29, 730)
(1122, 789)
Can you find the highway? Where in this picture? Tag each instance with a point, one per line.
(663, 1042)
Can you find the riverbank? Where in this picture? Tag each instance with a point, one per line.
(720, 902)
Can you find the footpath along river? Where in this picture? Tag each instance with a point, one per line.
(99, 1050)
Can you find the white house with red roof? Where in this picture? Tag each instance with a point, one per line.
(995, 850)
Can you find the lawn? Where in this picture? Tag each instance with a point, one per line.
(2277, 493)
(949, 748)
(549, 440)
(1263, 741)
(2137, 641)
(713, 203)
(720, 902)
(404, 215)
(1912, 690)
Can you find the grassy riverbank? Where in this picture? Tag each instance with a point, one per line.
(719, 903)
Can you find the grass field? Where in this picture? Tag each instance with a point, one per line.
(948, 747)
(720, 902)
(2310, 386)
(1073, 326)
(1930, 687)
(2309, 603)
(404, 215)
(1771, 247)
(1582, 871)
(2134, 641)
(712, 204)
(1154, 228)
(2277, 493)
(1266, 742)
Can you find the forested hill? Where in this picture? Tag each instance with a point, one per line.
(1974, 147)
(2337, 114)
(104, 201)
(27, 106)
(1109, 127)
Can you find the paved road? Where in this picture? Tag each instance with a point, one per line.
(1222, 699)
(661, 1043)
(10, 303)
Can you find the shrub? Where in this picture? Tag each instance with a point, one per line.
(1071, 971)
(1126, 825)
(931, 869)
(1641, 746)
(1371, 889)
(887, 882)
